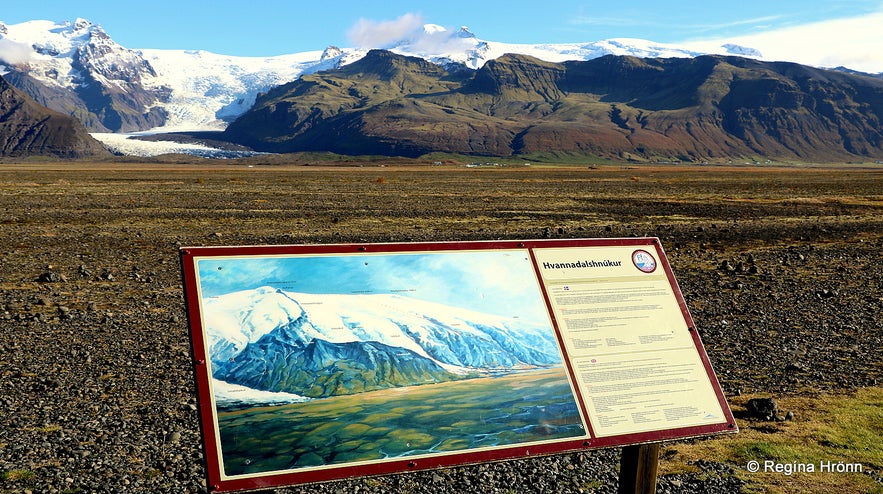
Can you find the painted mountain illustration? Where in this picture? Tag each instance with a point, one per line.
(319, 346)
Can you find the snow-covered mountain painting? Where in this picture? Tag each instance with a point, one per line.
(327, 345)
(371, 340)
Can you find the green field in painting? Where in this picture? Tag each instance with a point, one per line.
(495, 411)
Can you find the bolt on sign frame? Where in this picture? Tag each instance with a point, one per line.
(323, 362)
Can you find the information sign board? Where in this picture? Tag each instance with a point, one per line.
(322, 362)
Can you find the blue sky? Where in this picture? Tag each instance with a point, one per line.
(275, 27)
(495, 282)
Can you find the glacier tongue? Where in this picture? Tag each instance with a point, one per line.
(129, 145)
(233, 395)
(208, 89)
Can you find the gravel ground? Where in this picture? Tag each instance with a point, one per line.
(781, 273)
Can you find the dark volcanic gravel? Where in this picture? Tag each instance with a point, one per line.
(781, 273)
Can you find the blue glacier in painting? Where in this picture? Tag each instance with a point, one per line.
(317, 346)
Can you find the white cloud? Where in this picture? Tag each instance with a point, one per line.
(14, 53)
(367, 33)
(436, 40)
(851, 42)
(754, 23)
(410, 33)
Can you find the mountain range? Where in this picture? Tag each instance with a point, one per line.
(315, 346)
(75, 68)
(693, 109)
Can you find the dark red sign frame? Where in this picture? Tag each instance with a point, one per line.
(218, 483)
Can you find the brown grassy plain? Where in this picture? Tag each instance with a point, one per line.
(780, 266)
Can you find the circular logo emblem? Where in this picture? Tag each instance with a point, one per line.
(644, 261)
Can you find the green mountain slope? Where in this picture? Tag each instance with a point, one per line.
(708, 107)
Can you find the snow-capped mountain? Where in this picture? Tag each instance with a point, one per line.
(321, 345)
(117, 89)
(106, 86)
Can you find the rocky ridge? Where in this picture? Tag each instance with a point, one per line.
(79, 70)
(687, 109)
(26, 129)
